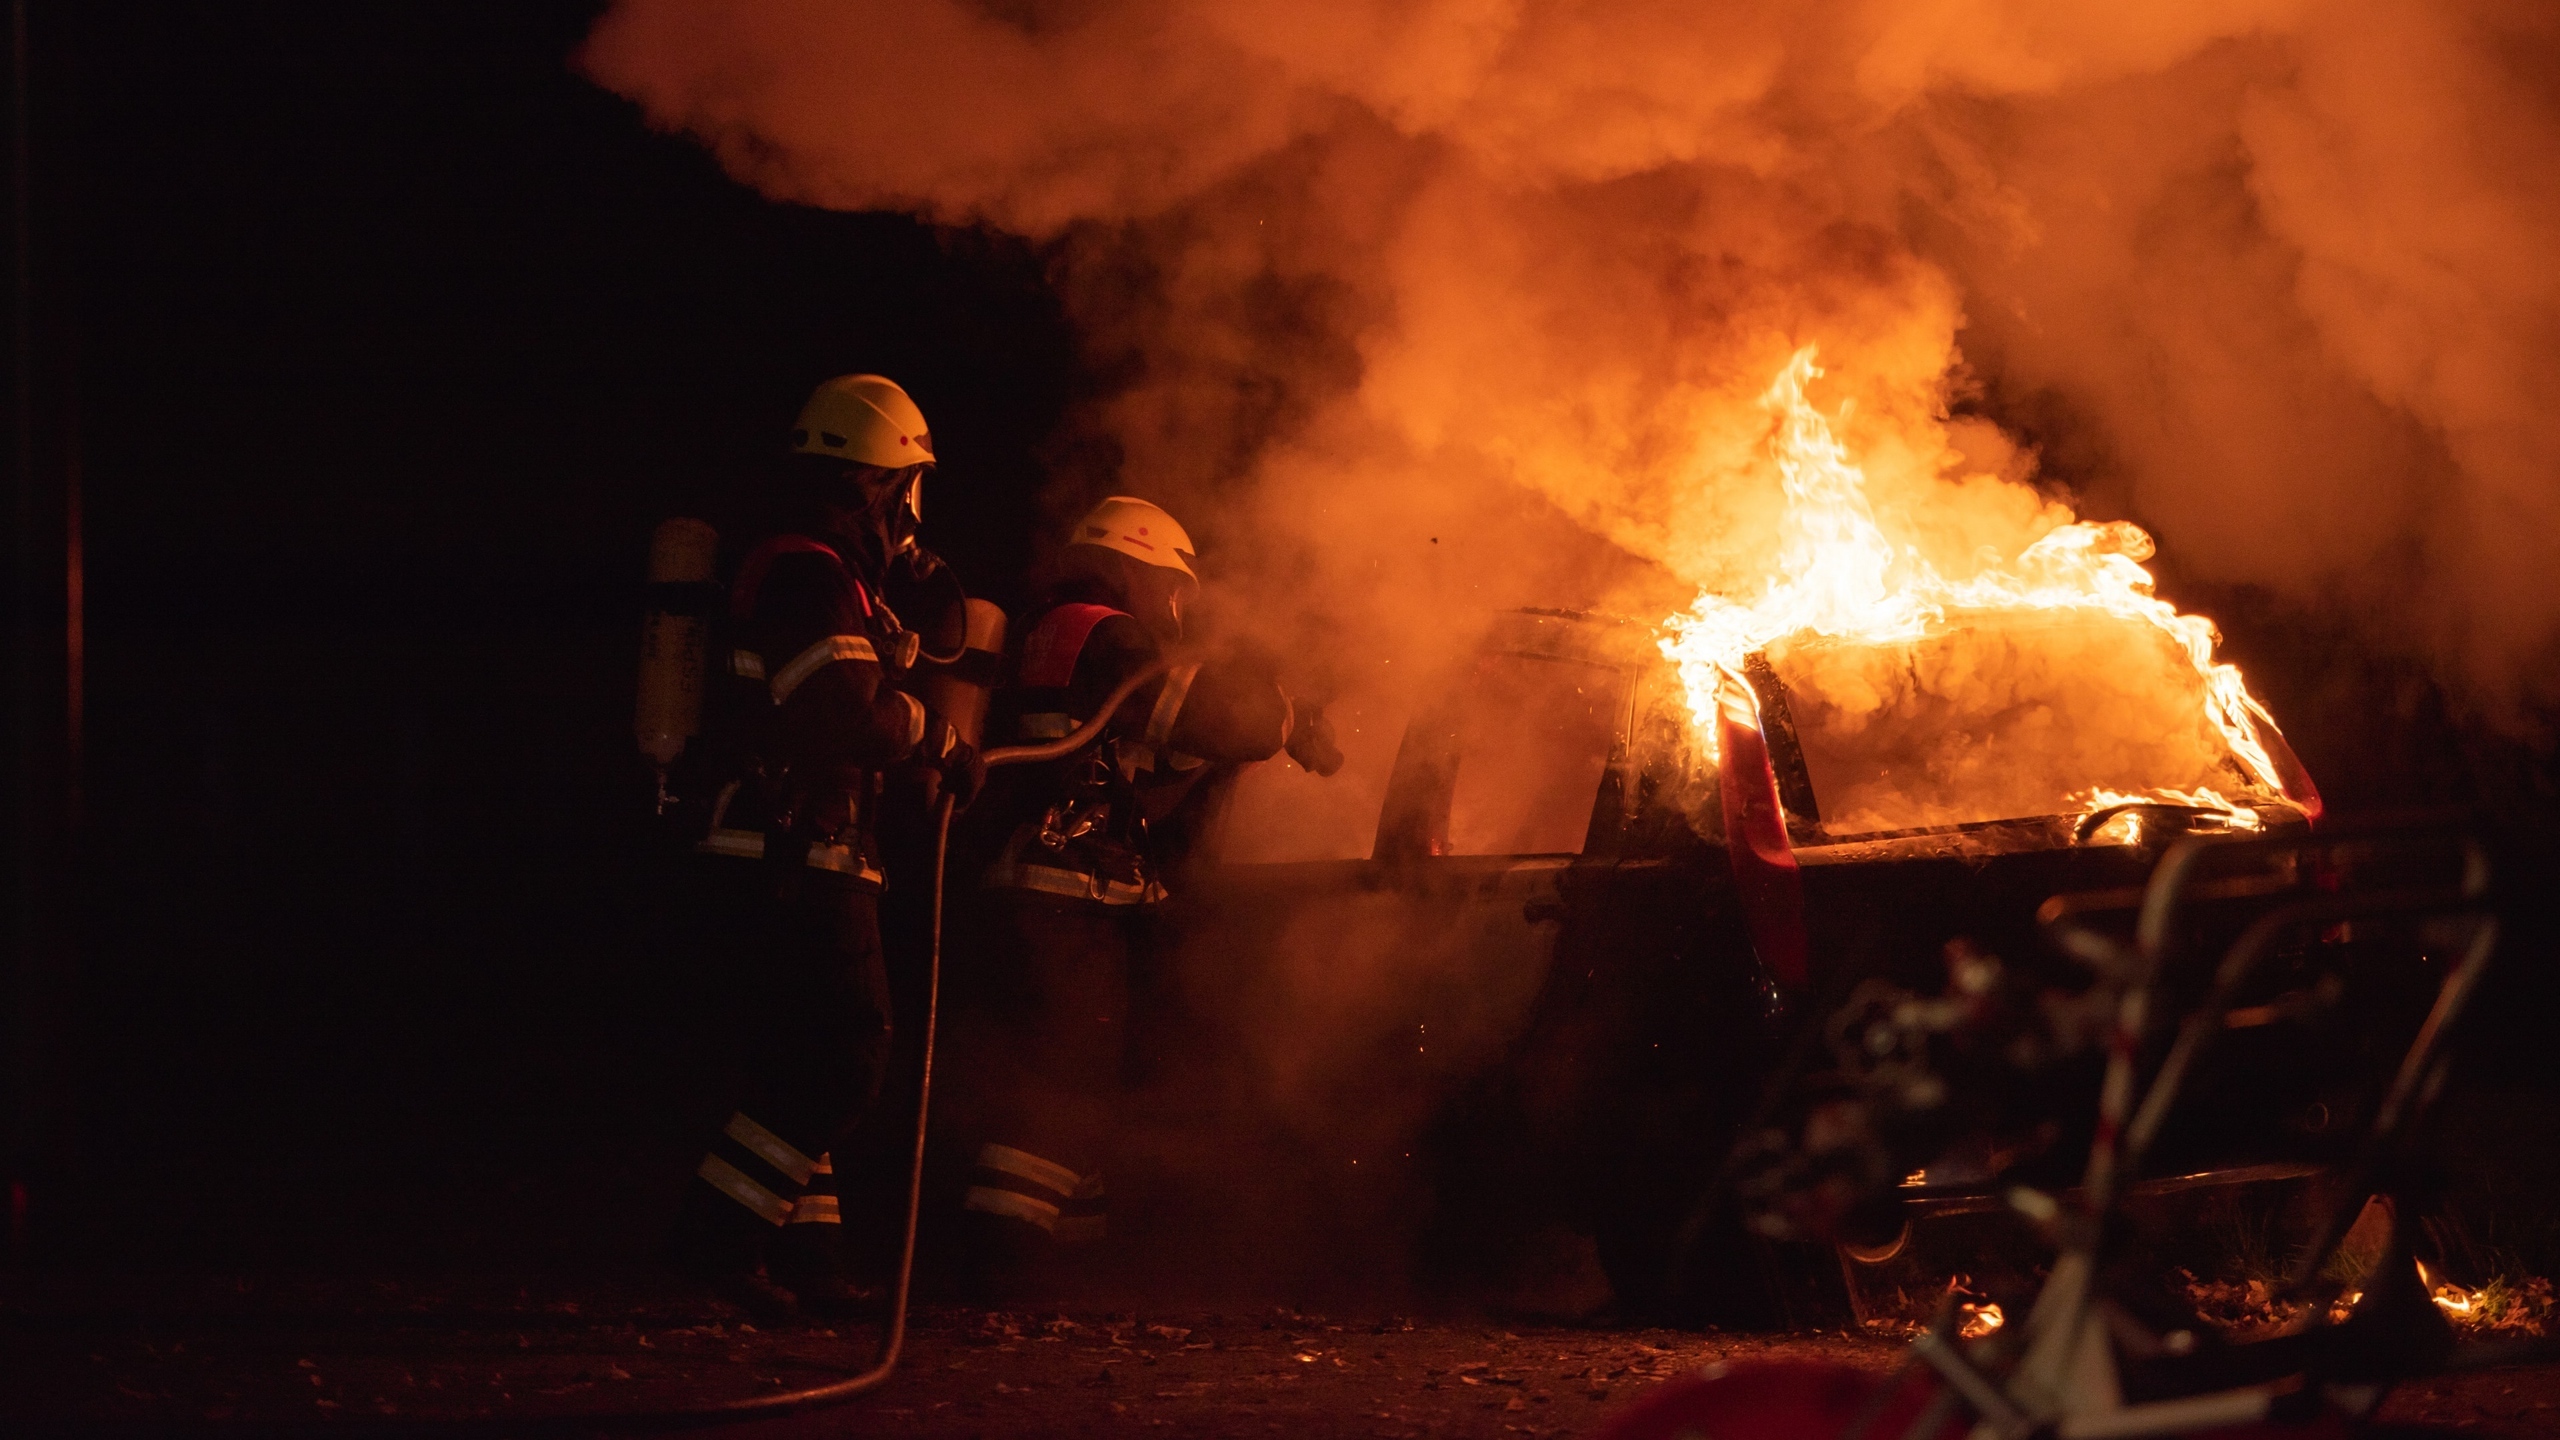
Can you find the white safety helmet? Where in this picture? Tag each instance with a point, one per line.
(1139, 529)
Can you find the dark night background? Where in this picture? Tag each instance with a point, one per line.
(380, 340)
(384, 340)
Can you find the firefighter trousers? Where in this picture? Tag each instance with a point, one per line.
(1042, 1042)
(805, 956)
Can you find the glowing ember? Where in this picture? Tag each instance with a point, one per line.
(1981, 1320)
(1856, 617)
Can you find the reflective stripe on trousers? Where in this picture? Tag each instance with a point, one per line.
(1018, 1185)
(757, 1168)
(819, 1205)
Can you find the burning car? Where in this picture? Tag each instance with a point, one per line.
(1616, 864)
(1594, 932)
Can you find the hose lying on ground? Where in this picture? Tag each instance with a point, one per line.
(893, 1341)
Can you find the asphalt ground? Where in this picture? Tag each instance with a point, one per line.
(242, 1355)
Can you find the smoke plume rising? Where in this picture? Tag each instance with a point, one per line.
(1427, 305)
(1417, 308)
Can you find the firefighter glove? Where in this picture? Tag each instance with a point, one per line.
(963, 769)
(1311, 741)
(964, 773)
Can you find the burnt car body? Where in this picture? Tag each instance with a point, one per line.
(1545, 966)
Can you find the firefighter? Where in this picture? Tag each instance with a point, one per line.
(1098, 837)
(812, 716)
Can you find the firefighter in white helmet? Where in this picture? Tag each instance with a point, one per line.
(1095, 842)
(815, 710)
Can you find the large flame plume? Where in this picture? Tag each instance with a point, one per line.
(1422, 306)
(1836, 575)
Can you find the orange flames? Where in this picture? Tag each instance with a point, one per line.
(2128, 826)
(2506, 1303)
(2456, 1301)
(1839, 582)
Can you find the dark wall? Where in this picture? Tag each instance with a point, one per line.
(392, 339)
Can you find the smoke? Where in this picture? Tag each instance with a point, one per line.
(1413, 309)
(1422, 307)
(2295, 285)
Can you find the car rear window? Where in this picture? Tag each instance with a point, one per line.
(1998, 717)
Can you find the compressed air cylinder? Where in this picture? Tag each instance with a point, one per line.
(959, 692)
(683, 556)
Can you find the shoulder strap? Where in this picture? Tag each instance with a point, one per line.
(751, 572)
(1050, 651)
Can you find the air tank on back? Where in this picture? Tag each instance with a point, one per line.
(683, 561)
(958, 692)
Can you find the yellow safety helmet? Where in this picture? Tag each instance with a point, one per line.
(865, 419)
(1139, 529)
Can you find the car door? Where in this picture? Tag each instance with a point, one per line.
(1351, 994)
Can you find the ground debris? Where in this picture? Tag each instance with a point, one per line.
(2249, 1308)
(2505, 1304)
(975, 1372)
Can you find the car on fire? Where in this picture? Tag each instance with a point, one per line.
(1583, 932)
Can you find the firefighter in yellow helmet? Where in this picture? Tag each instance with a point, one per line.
(826, 618)
(1096, 840)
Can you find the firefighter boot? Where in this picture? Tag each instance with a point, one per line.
(1027, 1220)
(742, 1193)
(1000, 1260)
(809, 1258)
(719, 1248)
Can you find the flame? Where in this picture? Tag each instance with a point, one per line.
(2454, 1300)
(2129, 824)
(1980, 1320)
(1837, 575)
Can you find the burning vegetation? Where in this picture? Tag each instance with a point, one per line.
(2250, 1308)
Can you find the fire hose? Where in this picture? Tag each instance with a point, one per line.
(682, 557)
(893, 1340)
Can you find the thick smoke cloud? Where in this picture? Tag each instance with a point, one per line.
(1427, 306)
